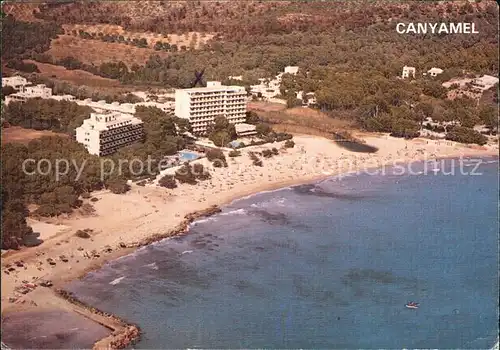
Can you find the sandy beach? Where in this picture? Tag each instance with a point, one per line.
(121, 222)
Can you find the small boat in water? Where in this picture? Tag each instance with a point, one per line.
(412, 305)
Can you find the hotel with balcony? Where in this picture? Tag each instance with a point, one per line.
(201, 105)
(104, 134)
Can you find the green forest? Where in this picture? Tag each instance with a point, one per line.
(350, 54)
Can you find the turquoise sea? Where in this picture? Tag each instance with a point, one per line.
(324, 265)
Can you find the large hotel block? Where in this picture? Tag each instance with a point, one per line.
(201, 105)
(104, 134)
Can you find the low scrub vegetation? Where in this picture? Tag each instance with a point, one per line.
(268, 153)
(255, 159)
(22, 66)
(85, 233)
(465, 135)
(118, 186)
(234, 153)
(289, 144)
(168, 181)
(217, 157)
(87, 209)
(200, 172)
(192, 174)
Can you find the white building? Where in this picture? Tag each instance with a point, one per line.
(40, 91)
(201, 105)
(264, 91)
(434, 71)
(311, 98)
(291, 69)
(167, 106)
(484, 83)
(128, 108)
(269, 89)
(244, 129)
(407, 71)
(17, 82)
(104, 134)
(63, 97)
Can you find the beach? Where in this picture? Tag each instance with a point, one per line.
(121, 223)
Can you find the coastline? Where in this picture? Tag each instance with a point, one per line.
(124, 333)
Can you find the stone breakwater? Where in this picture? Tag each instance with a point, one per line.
(123, 333)
(119, 340)
(183, 227)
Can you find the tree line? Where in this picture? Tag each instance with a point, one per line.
(22, 39)
(46, 114)
(116, 38)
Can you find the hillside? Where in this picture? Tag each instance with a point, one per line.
(192, 40)
(238, 18)
(97, 52)
(263, 36)
(350, 54)
(77, 77)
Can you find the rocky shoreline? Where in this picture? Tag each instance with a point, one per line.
(181, 228)
(127, 334)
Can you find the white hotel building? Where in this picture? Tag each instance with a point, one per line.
(37, 91)
(17, 82)
(201, 105)
(104, 134)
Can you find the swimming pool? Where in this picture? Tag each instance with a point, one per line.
(188, 155)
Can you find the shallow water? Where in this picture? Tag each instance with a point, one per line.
(50, 330)
(327, 265)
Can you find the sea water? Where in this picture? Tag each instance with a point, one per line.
(325, 265)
